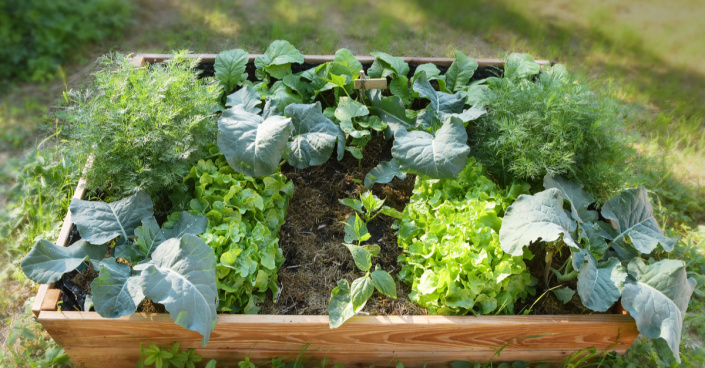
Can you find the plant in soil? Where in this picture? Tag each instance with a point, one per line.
(452, 257)
(606, 249)
(136, 259)
(147, 126)
(547, 122)
(346, 300)
(244, 217)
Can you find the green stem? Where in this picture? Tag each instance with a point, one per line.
(567, 275)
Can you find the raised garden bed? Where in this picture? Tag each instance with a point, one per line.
(93, 341)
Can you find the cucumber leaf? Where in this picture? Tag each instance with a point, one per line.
(314, 136)
(252, 145)
(277, 60)
(657, 296)
(115, 292)
(520, 66)
(100, 222)
(181, 276)
(387, 65)
(47, 262)
(347, 59)
(440, 156)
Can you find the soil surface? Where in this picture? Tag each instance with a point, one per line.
(312, 235)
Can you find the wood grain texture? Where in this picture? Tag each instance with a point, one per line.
(361, 340)
(51, 300)
(319, 59)
(374, 83)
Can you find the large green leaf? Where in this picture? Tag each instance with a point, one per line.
(520, 66)
(252, 145)
(384, 283)
(361, 256)
(356, 229)
(470, 114)
(531, 218)
(384, 173)
(115, 292)
(314, 136)
(657, 296)
(187, 224)
(181, 276)
(247, 98)
(600, 285)
(340, 307)
(460, 72)
(440, 156)
(360, 291)
(631, 211)
(100, 222)
(347, 59)
(440, 101)
(390, 110)
(230, 68)
(386, 65)
(578, 198)
(46, 262)
(278, 58)
(431, 70)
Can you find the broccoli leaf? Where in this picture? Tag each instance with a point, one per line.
(390, 110)
(530, 218)
(276, 61)
(574, 193)
(386, 65)
(314, 136)
(384, 173)
(230, 68)
(100, 222)
(47, 262)
(115, 292)
(520, 66)
(600, 285)
(439, 156)
(632, 213)
(460, 72)
(245, 97)
(657, 296)
(181, 276)
(252, 145)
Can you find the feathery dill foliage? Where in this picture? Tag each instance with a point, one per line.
(552, 125)
(146, 127)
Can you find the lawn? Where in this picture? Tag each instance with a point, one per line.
(647, 56)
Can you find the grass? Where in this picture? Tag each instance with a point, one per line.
(645, 55)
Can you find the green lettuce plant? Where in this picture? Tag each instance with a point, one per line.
(452, 257)
(244, 216)
(136, 260)
(607, 246)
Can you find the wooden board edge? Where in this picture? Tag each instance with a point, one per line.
(63, 238)
(319, 59)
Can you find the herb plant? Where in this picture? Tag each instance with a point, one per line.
(147, 126)
(543, 123)
(452, 256)
(244, 217)
(606, 253)
(170, 266)
(346, 299)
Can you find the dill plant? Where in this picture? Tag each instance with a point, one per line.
(146, 127)
(550, 124)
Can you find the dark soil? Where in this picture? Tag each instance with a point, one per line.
(312, 235)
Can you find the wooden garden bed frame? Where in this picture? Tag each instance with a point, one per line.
(93, 341)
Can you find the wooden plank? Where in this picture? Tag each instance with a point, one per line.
(319, 59)
(382, 334)
(137, 61)
(62, 240)
(51, 300)
(373, 83)
(109, 356)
